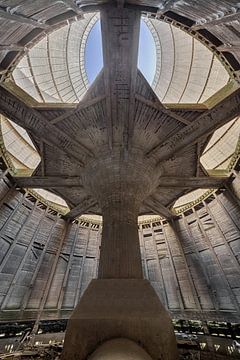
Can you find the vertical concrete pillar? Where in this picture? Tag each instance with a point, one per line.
(120, 303)
(120, 256)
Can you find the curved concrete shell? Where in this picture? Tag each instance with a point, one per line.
(192, 262)
(53, 70)
(120, 148)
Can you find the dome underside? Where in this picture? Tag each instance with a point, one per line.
(49, 196)
(21, 150)
(53, 71)
(187, 71)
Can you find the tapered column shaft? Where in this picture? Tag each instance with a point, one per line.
(120, 250)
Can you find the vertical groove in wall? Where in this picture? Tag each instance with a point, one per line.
(29, 249)
(193, 262)
(191, 286)
(176, 282)
(222, 285)
(202, 281)
(157, 259)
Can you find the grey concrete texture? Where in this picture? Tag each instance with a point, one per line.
(119, 349)
(118, 148)
(120, 308)
(178, 259)
(121, 122)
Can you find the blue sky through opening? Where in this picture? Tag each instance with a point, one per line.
(146, 56)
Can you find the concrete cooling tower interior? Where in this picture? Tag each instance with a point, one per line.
(120, 179)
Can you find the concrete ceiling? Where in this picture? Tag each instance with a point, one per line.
(169, 142)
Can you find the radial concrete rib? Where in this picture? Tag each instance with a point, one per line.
(44, 182)
(12, 47)
(158, 208)
(166, 6)
(80, 209)
(201, 127)
(31, 120)
(229, 47)
(22, 19)
(70, 4)
(221, 20)
(158, 106)
(191, 182)
(82, 105)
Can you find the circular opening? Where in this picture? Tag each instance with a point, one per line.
(93, 52)
(94, 56)
(147, 53)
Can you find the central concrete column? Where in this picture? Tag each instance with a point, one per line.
(120, 303)
(120, 256)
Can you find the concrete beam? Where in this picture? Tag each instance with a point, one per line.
(80, 106)
(12, 47)
(70, 4)
(203, 126)
(120, 37)
(191, 182)
(160, 107)
(165, 6)
(31, 120)
(80, 209)
(21, 19)
(221, 20)
(229, 47)
(45, 182)
(159, 209)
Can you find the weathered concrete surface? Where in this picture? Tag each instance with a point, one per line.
(119, 113)
(119, 148)
(119, 349)
(118, 308)
(120, 184)
(178, 259)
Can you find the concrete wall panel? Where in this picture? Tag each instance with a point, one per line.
(192, 262)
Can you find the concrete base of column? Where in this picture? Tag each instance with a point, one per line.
(120, 308)
(119, 349)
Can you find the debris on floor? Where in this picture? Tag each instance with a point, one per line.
(53, 352)
(45, 352)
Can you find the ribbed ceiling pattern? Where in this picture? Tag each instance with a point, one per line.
(187, 71)
(221, 147)
(21, 150)
(217, 155)
(54, 69)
